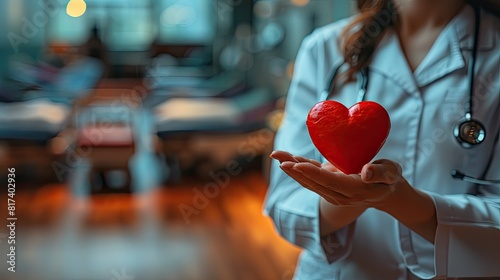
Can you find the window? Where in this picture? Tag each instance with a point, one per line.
(186, 21)
(124, 25)
(132, 25)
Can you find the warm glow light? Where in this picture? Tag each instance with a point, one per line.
(290, 68)
(300, 2)
(76, 8)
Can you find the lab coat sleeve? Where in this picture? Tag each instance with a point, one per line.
(294, 209)
(468, 231)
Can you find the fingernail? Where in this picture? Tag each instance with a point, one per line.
(369, 174)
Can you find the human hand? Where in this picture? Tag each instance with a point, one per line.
(373, 187)
(379, 185)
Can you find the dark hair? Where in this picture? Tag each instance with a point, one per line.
(492, 6)
(361, 37)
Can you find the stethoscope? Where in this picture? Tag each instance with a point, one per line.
(469, 132)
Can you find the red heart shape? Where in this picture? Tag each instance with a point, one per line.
(348, 138)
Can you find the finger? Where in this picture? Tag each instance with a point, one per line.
(299, 177)
(382, 171)
(303, 159)
(329, 166)
(287, 167)
(341, 189)
(312, 185)
(282, 156)
(335, 181)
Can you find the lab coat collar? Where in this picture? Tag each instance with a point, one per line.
(455, 42)
(444, 57)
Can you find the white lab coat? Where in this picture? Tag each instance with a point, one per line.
(424, 106)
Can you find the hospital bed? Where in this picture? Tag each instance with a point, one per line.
(30, 119)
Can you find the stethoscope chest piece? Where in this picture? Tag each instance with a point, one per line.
(469, 133)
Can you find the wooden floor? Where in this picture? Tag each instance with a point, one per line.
(147, 237)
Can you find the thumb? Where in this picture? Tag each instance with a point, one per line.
(382, 171)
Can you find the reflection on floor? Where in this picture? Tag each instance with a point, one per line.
(124, 237)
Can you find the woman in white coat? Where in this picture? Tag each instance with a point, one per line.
(403, 216)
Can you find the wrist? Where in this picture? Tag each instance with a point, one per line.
(408, 203)
(401, 192)
(413, 208)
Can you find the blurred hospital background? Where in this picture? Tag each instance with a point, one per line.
(135, 135)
